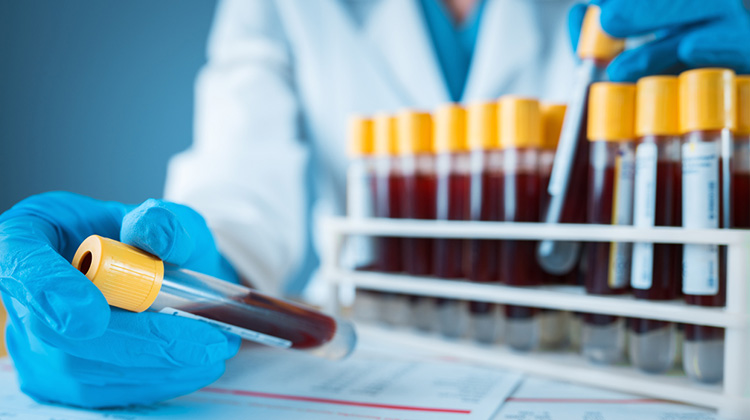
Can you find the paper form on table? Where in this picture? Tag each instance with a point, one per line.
(542, 399)
(267, 383)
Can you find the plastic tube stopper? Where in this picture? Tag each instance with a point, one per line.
(552, 121)
(127, 277)
(594, 42)
(520, 122)
(482, 126)
(415, 132)
(361, 136)
(657, 106)
(611, 111)
(450, 129)
(708, 100)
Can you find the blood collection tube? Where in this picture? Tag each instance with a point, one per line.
(486, 196)
(136, 281)
(708, 116)
(610, 194)
(360, 177)
(389, 193)
(741, 157)
(568, 201)
(553, 325)
(656, 268)
(418, 168)
(453, 203)
(520, 140)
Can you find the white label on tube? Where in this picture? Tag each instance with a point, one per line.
(248, 335)
(700, 209)
(620, 253)
(644, 212)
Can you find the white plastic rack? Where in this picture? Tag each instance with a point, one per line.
(731, 398)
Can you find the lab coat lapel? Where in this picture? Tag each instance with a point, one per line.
(402, 46)
(507, 44)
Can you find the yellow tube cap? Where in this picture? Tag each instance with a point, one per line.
(482, 126)
(361, 136)
(520, 122)
(415, 132)
(708, 100)
(657, 106)
(553, 116)
(386, 139)
(743, 105)
(611, 111)
(450, 129)
(127, 277)
(594, 42)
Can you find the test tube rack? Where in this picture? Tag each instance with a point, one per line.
(731, 399)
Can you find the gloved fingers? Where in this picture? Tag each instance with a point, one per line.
(177, 234)
(659, 56)
(723, 43)
(624, 18)
(148, 340)
(48, 287)
(67, 391)
(50, 375)
(575, 21)
(64, 219)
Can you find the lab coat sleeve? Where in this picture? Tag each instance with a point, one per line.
(244, 171)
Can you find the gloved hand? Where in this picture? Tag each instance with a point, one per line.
(688, 34)
(68, 346)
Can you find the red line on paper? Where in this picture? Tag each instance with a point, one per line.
(331, 401)
(586, 400)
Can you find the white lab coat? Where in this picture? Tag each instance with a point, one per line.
(284, 76)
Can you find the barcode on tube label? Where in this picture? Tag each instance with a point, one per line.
(620, 253)
(700, 210)
(644, 212)
(248, 335)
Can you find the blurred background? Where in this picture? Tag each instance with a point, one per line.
(95, 96)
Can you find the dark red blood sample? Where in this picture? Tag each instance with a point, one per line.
(702, 332)
(419, 203)
(483, 254)
(576, 199)
(666, 273)
(600, 212)
(305, 328)
(388, 250)
(741, 197)
(719, 299)
(520, 204)
(450, 254)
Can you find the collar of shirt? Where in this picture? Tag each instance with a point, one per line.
(454, 44)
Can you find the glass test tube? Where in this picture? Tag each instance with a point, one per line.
(520, 140)
(453, 203)
(612, 157)
(708, 106)
(389, 186)
(568, 204)
(741, 157)
(418, 168)
(656, 268)
(359, 253)
(486, 199)
(553, 325)
(137, 281)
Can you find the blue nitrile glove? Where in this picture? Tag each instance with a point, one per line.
(68, 346)
(688, 34)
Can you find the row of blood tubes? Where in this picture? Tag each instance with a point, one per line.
(667, 151)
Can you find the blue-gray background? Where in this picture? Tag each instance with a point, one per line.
(95, 96)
